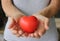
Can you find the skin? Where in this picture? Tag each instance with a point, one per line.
(14, 14)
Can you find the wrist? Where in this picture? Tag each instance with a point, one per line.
(46, 15)
(15, 15)
(39, 16)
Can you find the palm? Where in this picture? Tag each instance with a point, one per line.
(15, 29)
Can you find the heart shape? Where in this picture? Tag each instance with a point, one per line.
(28, 23)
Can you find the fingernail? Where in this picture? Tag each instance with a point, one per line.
(23, 34)
(32, 35)
(20, 32)
(29, 35)
(35, 34)
(14, 31)
(40, 34)
(46, 27)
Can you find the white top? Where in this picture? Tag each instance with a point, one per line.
(29, 7)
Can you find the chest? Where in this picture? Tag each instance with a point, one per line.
(30, 6)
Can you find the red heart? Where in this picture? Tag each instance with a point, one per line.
(28, 23)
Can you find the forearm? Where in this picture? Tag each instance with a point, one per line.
(9, 8)
(52, 9)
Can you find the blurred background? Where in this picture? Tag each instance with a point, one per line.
(3, 20)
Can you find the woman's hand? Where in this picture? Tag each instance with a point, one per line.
(14, 26)
(43, 26)
(14, 14)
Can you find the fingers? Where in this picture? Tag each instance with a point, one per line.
(43, 28)
(41, 32)
(36, 35)
(25, 34)
(20, 32)
(31, 35)
(14, 30)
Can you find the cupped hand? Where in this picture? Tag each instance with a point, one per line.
(14, 26)
(43, 26)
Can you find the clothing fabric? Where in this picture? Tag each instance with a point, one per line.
(50, 35)
(31, 6)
